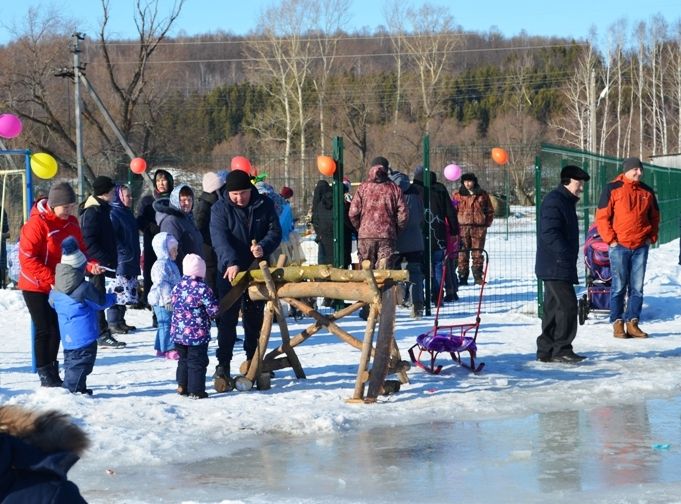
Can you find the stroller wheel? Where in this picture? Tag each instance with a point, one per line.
(582, 309)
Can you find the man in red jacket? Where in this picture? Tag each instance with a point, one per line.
(628, 220)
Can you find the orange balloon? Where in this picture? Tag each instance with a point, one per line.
(326, 165)
(241, 163)
(500, 156)
(138, 165)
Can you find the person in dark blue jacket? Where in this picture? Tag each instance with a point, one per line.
(126, 286)
(77, 303)
(237, 219)
(37, 449)
(556, 265)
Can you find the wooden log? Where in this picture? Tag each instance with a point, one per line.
(367, 344)
(264, 339)
(281, 319)
(335, 290)
(386, 335)
(330, 325)
(326, 273)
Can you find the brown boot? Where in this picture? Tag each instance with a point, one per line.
(633, 330)
(618, 329)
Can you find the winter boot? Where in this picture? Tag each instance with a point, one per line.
(221, 379)
(46, 374)
(118, 328)
(634, 331)
(618, 329)
(477, 276)
(55, 373)
(463, 277)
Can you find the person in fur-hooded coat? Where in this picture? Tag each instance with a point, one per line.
(37, 449)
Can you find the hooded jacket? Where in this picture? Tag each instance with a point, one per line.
(36, 452)
(98, 232)
(181, 225)
(146, 218)
(164, 273)
(558, 237)
(77, 303)
(232, 228)
(40, 246)
(628, 213)
(378, 210)
(442, 212)
(127, 237)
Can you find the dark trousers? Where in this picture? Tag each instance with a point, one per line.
(78, 365)
(559, 324)
(98, 281)
(252, 316)
(191, 368)
(116, 314)
(46, 327)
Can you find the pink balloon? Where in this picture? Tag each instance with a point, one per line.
(452, 172)
(10, 126)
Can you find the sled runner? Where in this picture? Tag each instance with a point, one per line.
(455, 339)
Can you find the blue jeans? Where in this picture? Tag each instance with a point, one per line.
(628, 271)
(164, 342)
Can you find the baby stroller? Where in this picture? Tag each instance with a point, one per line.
(598, 276)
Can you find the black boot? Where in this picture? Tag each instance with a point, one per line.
(463, 278)
(55, 373)
(46, 374)
(477, 276)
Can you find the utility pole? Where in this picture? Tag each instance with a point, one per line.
(75, 49)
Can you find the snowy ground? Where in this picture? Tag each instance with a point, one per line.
(137, 421)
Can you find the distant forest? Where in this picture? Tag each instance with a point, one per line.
(280, 94)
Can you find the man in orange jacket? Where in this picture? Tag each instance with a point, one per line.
(628, 220)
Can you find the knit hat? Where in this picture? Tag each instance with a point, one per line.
(286, 192)
(71, 254)
(193, 265)
(631, 162)
(573, 172)
(238, 180)
(102, 185)
(212, 182)
(380, 161)
(61, 194)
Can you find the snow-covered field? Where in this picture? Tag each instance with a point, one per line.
(135, 418)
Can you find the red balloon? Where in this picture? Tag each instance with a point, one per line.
(326, 165)
(241, 163)
(500, 156)
(138, 165)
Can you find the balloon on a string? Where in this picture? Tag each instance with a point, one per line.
(452, 172)
(43, 165)
(500, 156)
(326, 165)
(138, 165)
(10, 126)
(241, 163)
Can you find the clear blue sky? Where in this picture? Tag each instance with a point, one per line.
(536, 17)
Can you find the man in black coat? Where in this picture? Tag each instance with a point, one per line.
(242, 216)
(100, 239)
(556, 265)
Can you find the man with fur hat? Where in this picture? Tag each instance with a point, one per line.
(242, 216)
(628, 220)
(475, 214)
(100, 241)
(37, 449)
(556, 265)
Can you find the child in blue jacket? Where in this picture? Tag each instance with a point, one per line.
(77, 302)
(194, 305)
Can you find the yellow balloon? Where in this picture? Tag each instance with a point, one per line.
(43, 165)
